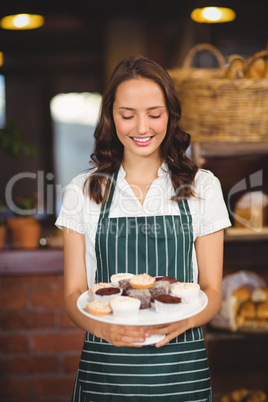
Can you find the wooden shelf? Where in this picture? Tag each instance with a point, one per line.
(244, 234)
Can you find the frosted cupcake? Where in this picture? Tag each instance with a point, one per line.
(108, 293)
(167, 304)
(124, 306)
(100, 285)
(188, 292)
(119, 277)
(99, 307)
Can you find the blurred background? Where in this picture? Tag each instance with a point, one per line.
(51, 84)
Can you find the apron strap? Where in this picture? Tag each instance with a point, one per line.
(106, 207)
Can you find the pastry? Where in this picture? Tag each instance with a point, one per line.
(259, 295)
(142, 281)
(125, 306)
(251, 210)
(170, 279)
(187, 291)
(99, 307)
(167, 304)
(160, 287)
(124, 285)
(248, 310)
(262, 311)
(107, 293)
(116, 278)
(99, 285)
(143, 295)
(241, 294)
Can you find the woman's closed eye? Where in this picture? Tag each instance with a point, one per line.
(155, 117)
(127, 117)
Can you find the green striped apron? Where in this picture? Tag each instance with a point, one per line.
(177, 372)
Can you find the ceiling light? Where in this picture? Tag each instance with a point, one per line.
(212, 15)
(22, 21)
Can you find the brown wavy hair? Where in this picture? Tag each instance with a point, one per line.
(108, 151)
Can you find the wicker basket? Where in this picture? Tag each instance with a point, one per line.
(215, 108)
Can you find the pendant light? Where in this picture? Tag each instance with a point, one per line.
(22, 21)
(212, 15)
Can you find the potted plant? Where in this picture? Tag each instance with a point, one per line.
(24, 227)
(12, 143)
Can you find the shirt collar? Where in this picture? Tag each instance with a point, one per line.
(162, 171)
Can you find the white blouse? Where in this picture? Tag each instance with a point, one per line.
(79, 213)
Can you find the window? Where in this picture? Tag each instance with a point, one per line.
(74, 117)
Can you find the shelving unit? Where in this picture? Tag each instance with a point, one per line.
(237, 360)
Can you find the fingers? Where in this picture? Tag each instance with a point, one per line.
(127, 336)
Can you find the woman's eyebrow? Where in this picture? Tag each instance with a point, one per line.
(149, 108)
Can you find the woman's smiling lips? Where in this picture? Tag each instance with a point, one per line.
(142, 141)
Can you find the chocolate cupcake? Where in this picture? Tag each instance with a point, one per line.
(167, 304)
(107, 293)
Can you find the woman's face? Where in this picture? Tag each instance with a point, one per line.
(140, 117)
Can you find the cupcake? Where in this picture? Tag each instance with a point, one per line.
(119, 277)
(167, 304)
(160, 287)
(142, 281)
(107, 293)
(124, 285)
(99, 307)
(100, 285)
(143, 295)
(188, 292)
(124, 306)
(170, 279)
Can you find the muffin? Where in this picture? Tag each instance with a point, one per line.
(116, 278)
(124, 306)
(170, 279)
(99, 285)
(99, 307)
(167, 304)
(143, 295)
(142, 281)
(160, 287)
(188, 292)
(107, 293)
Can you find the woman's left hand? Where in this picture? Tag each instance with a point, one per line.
(171, 330)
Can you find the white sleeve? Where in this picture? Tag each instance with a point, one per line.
(209, 212)
(72, 212)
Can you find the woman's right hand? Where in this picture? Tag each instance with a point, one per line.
(121, 335)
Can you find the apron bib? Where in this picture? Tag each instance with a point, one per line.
(177, 372)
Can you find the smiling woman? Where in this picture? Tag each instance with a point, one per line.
(142, 178)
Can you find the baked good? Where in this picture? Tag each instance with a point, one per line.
(242, 294)
(160, 287)
(124, 285)
(99, 307)
(187, 291)
(116, 278)
(248, 310)
(262, 311)
(143, 295)
(256, 396)
(251, 210)
(167, 304)
(170, 279)
(99, 285)
(142, 281)
(125, 306)
(259, 295)
(107, 293)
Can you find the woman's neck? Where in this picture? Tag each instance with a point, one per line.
(141, 169)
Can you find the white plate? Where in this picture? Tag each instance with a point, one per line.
(146, 316)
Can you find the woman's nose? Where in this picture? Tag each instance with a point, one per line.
(141, 125)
